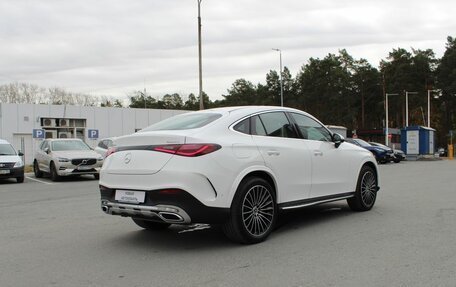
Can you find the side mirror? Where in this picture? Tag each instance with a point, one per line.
(47, 150)
(337, 139)
(19, 153)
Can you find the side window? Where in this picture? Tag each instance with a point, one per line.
(109, 143)
(257, 126)
(243, 127)
(276, 124)
(101, 144)
(311, 129)
(45, 145)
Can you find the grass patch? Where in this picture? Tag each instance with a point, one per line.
(28, 168)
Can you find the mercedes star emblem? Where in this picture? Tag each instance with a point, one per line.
(127, 158)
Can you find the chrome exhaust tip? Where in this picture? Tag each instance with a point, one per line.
(170, 217)
(105, 208)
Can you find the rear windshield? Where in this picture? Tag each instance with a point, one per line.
(184, 122)
(7, 149)
(69, 145)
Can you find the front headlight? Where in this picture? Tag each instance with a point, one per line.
(99, 158)
(19, 163)
(63, 159)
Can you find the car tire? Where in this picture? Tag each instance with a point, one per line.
(253, 213)
(36, 170)
(96, 176)
(20, 179)
(53, 172)
(366, 190)
(397, 161)
(150, 225)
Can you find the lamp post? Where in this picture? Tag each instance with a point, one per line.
(429, 107)
(281, 83)
(406, 105)
(144, 96)
(200, 57)
(386, 117)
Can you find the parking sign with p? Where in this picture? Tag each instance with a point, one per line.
(38, 133)
(92, 134)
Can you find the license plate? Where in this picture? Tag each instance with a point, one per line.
(84, 167)
(4, 171)
(130, 196)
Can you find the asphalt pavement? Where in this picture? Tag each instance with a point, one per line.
(55, 234)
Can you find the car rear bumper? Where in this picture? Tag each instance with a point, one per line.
(12, 173)
(174, 206)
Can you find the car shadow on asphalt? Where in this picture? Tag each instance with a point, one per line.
(66, 178)
(8, 181)
(204, 237)
(307, 217)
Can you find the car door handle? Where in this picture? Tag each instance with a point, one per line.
(318, 153)
(273, 152)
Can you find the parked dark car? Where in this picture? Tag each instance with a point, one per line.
(442, 152)
(381, 155)
(398, 155)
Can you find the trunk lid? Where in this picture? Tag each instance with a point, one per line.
(135, 154)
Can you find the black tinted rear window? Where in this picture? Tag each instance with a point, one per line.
(184, 122)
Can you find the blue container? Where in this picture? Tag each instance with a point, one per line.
(418, 140)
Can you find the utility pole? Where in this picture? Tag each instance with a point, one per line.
(281, 81)
(386, 117)
(406, 106)
(200, 58)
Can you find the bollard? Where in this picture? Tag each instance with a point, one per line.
(450, 152)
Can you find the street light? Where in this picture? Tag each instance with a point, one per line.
(144, 96)
(281, 83)
(406, 105)
(200, 58)
(429, 107)
(386, 116)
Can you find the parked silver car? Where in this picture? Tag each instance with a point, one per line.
(11, 164)
(66, 157)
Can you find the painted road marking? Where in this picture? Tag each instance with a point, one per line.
(38, 180)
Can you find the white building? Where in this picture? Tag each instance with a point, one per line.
(17, 122)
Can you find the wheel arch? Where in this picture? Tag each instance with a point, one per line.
(260, 172)
(373, 166)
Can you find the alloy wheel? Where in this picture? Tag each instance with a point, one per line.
(368, 188)
(258, 210)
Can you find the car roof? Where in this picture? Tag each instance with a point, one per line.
(252, 109)
(240, 111)
(4, 141)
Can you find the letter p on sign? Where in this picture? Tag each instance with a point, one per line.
(92, 134)
(38, 134)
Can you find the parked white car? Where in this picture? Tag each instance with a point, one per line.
(104, 145)
(237, 166)
(11, 164)
(66, 157)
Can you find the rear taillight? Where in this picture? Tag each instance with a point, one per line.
(110, 151)
(189, 150)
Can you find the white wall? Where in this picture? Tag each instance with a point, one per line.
(19, 120)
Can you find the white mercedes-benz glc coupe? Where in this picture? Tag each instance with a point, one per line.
(235, 166)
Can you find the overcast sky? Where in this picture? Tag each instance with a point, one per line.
(111, 47)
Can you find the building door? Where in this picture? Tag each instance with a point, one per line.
(24, 143)
(431, 142)
(413, 142)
